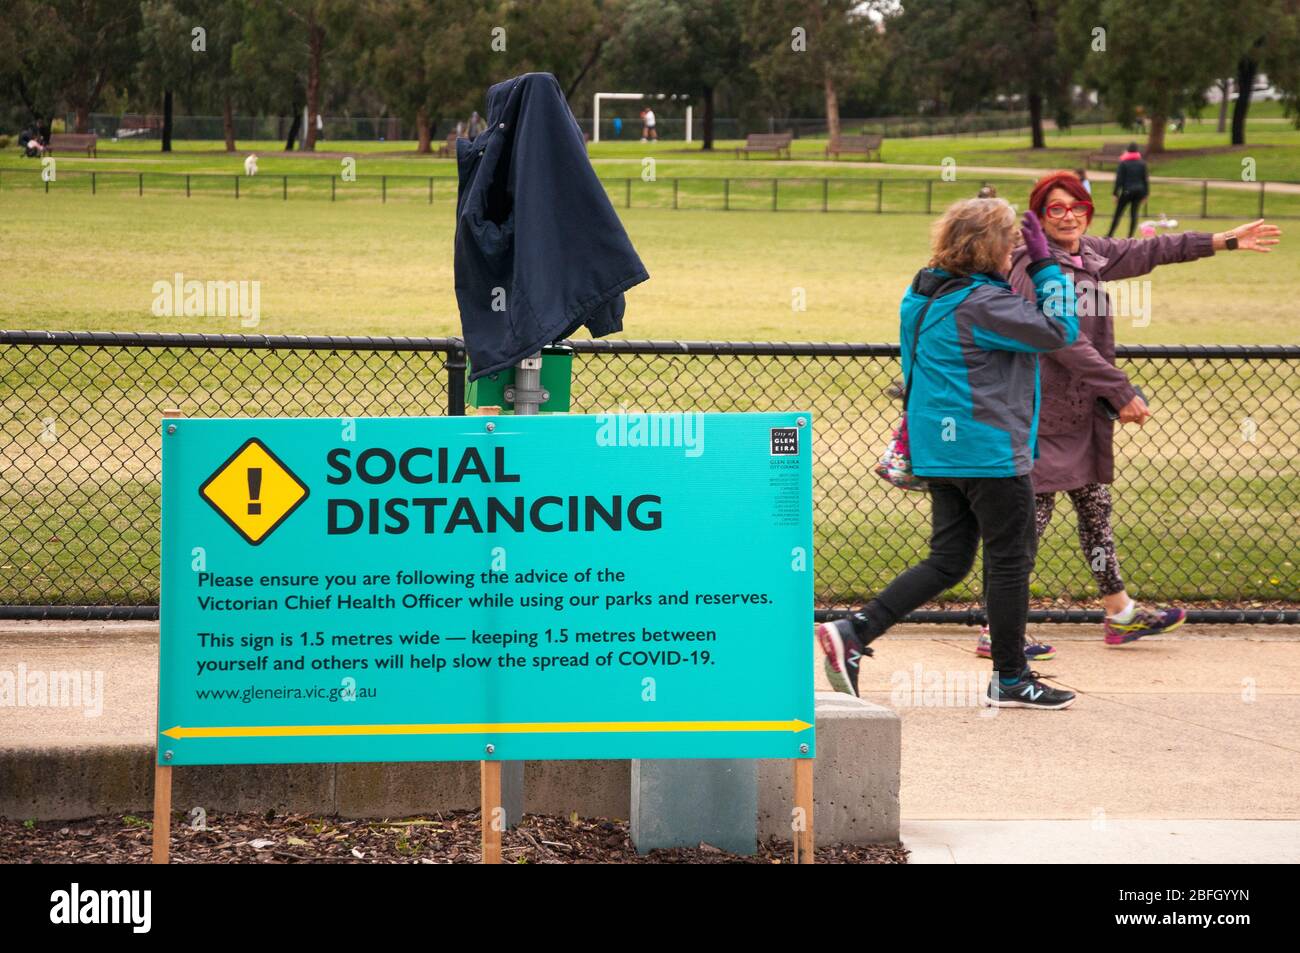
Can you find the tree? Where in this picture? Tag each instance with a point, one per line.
(27, 32)
(681, 46)
(1157, 56)
(822, 44)
(168, 59)
(284, 47)
(562, 37)
(84, 46)
(433, 57)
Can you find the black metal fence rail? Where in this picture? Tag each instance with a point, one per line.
(1189, 198)
(1207, 494)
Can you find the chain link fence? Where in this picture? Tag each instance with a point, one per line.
(1206, 500)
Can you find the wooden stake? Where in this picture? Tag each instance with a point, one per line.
(491, 817)
(803, 801)
(162, 813)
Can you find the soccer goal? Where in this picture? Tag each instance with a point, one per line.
(661, 103)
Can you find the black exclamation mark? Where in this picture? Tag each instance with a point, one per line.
(254, 490)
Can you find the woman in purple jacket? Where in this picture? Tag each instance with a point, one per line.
(1075, 439)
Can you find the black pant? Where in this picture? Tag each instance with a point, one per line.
(1134, 202)
(966, 510)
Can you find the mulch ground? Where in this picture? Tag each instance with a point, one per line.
(450, 838)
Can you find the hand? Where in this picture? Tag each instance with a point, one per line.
(1031, 230)
(1135, 412)
(1254, 236)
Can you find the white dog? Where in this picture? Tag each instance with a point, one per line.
(250, 165)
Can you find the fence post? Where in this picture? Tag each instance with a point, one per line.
(929, 189)
(726, 195)
(93, 189)
(236, 186)
(880, 195)
(331, 188)
(284, 188)
(141, 183)
(430, 190)
(826, 191)
(1205, 196)
(774, 184)
(383, 186)
(456, 383)
(1261, 199)
(187, 185)
(674, 195)
(627, 192)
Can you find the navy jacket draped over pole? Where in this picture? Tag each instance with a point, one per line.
(539, 248)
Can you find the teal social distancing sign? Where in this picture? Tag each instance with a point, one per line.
(470, 588)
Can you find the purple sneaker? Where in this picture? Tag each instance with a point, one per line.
(1144, 622)
(1035, 651)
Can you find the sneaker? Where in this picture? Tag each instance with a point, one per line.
(1029, 692)
(1144, 622)
(1034, 651)
(844, 650)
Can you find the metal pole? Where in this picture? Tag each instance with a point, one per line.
(284, 188)
(726, 195)
(187, 185)
(627, 196)
(826, 190)
(880, 195)
(142, 183)
(331, 188)
(1261, 199)
(674, 194)
(383, 184)
(774, 182)
(430, 190)
(236, 186)
(1205, 196)
(526, 396)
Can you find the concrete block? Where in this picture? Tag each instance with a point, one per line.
(855, 779)
(682, 803)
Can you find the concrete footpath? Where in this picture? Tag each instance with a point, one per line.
(1184, 748)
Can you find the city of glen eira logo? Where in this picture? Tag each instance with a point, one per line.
(254, 491)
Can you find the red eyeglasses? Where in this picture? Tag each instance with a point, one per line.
(1078, 210)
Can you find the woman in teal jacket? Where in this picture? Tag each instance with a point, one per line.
(970, 361)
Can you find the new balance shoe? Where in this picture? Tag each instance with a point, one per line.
(1034, 651)
(844, 650)
(1144, 622)
(1027, 692)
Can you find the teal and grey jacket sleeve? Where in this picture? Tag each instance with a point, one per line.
(999, 319)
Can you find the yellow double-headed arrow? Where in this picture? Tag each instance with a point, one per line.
(487, 728)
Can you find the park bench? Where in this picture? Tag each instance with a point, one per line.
(1110, 152)
(866, 145)
(777, 142)
(75, 141)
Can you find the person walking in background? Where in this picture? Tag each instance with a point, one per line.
(970, 363)
(648, 125)
(1076, 435)
(1087, 183)
(475, 125)
(1131, 188)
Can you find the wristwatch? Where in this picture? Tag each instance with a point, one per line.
(1230, 242)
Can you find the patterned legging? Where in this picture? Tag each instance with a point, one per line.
(1092, 508)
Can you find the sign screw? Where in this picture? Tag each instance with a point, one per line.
(491, 749)
(802, 422)
(490, 427)
(167, 755)
(171, 428)
(803, 749)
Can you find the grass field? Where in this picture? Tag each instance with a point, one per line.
(368, 268)
(87, 498)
